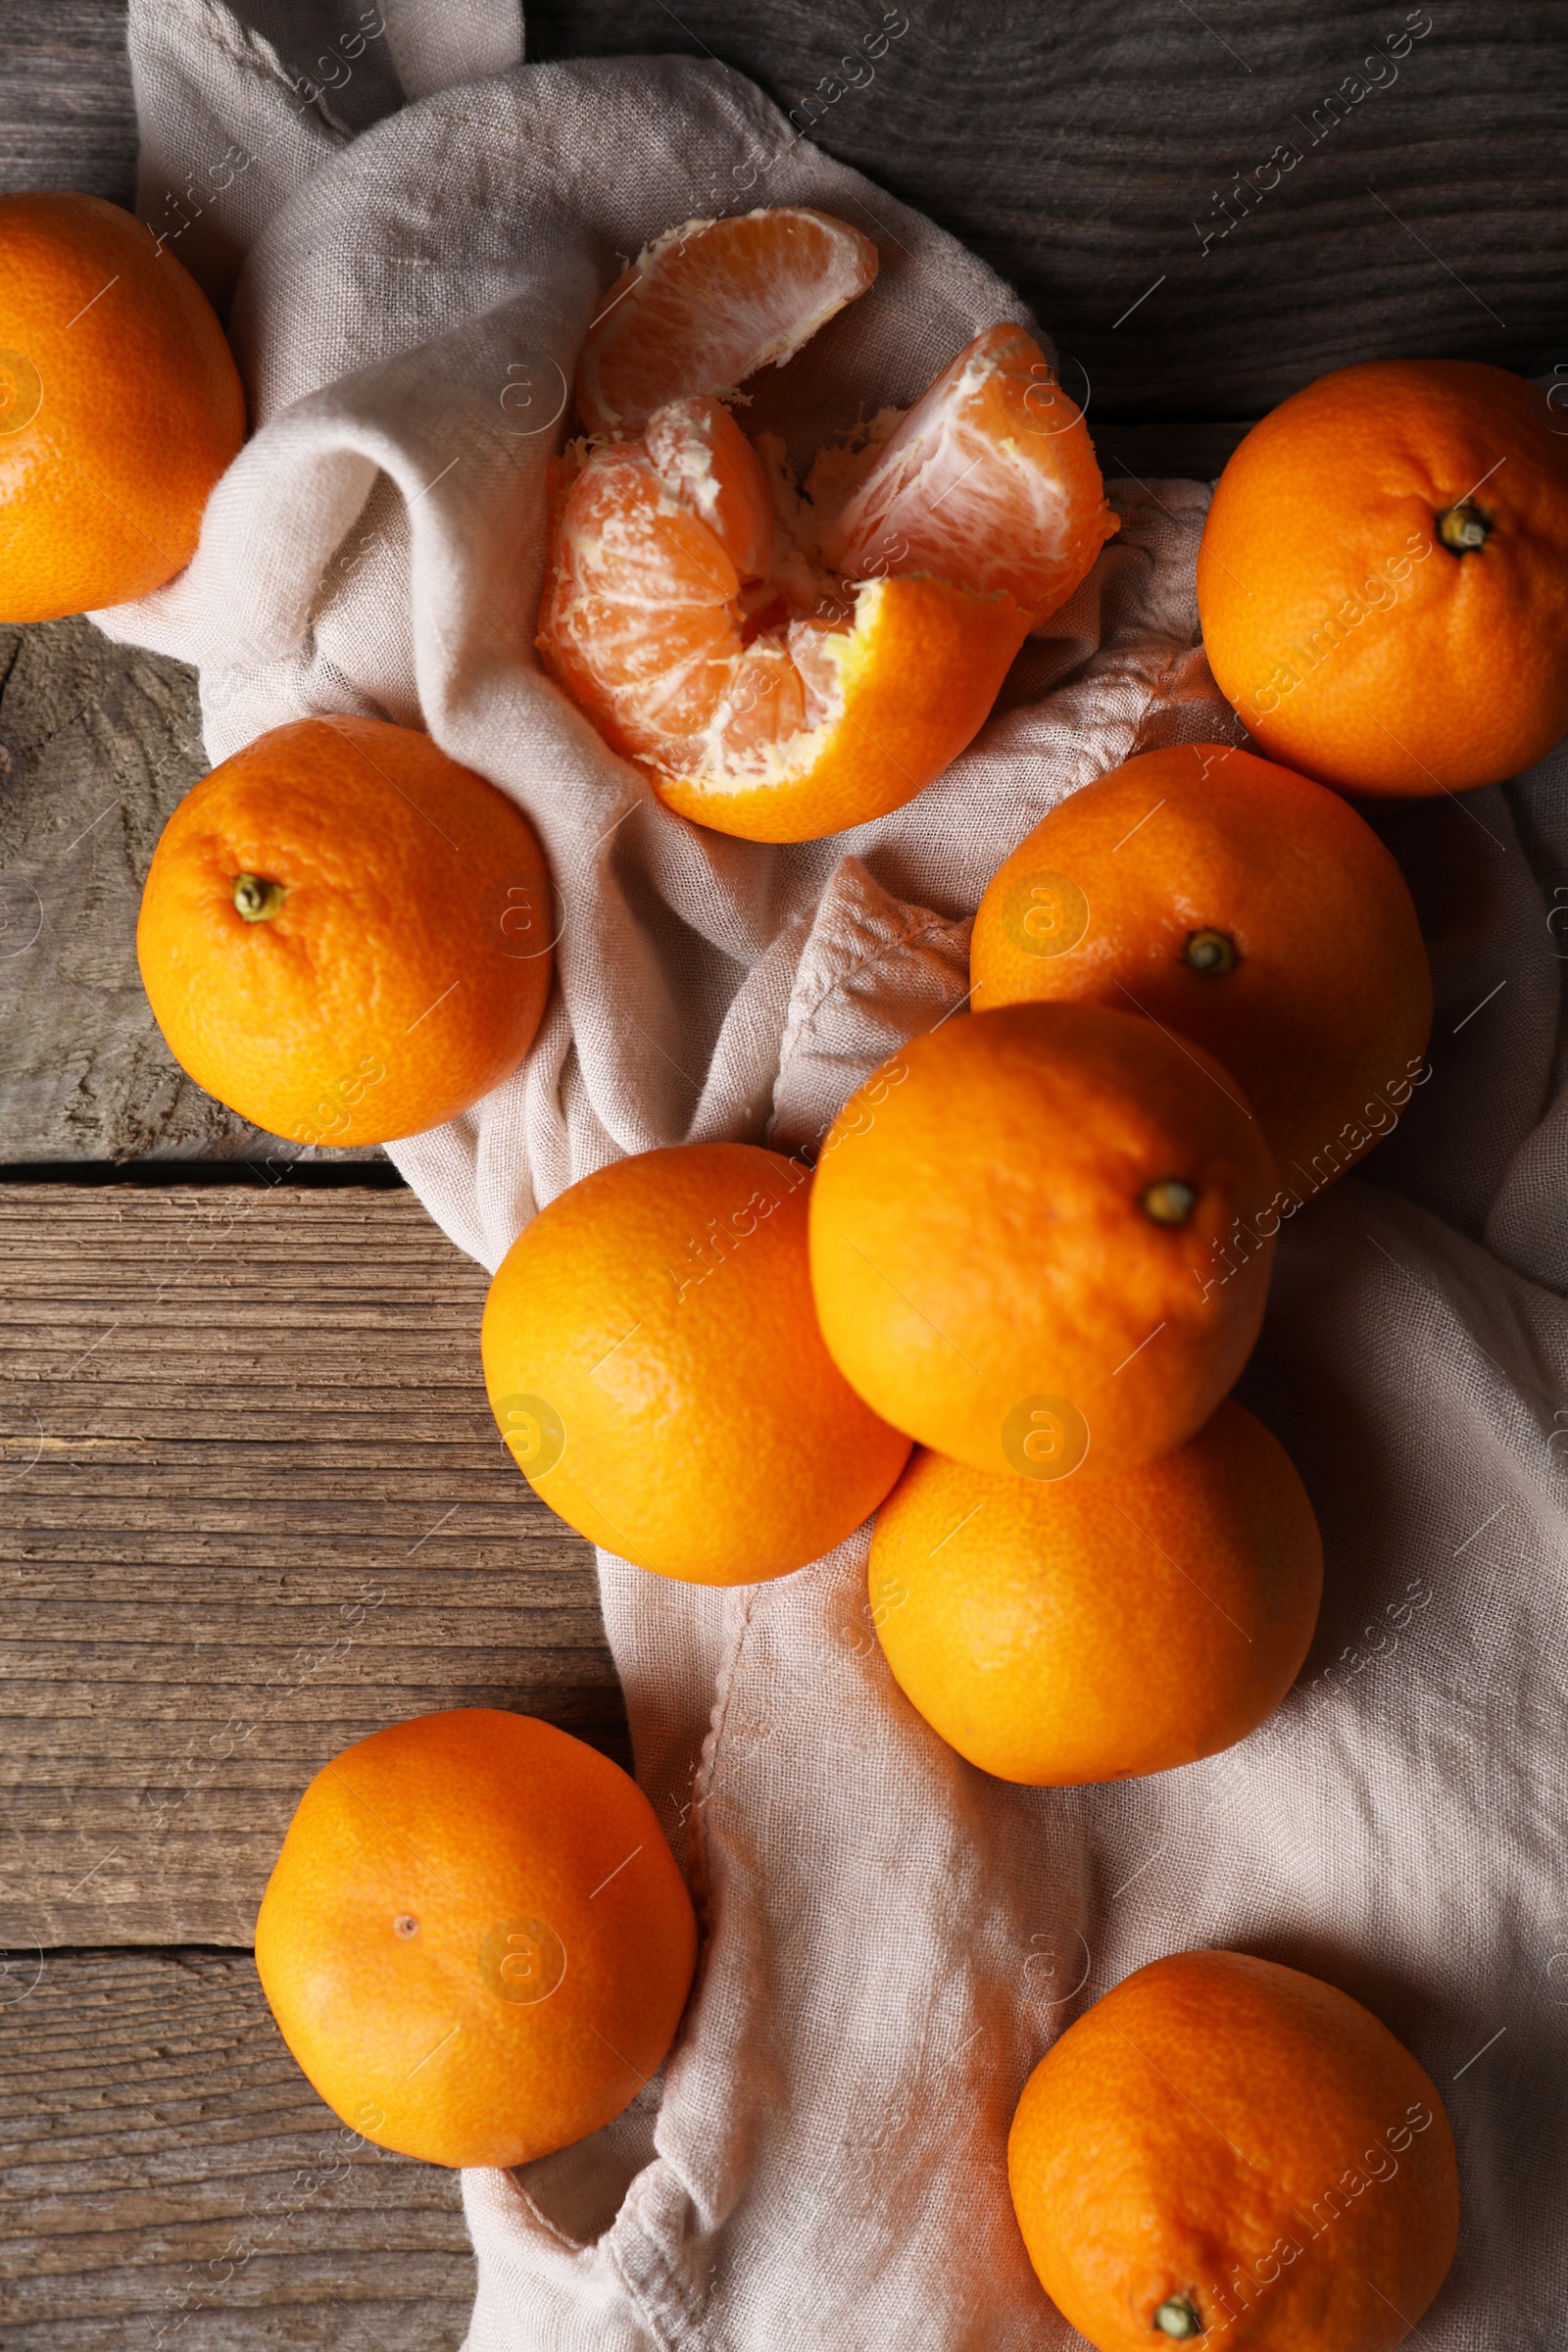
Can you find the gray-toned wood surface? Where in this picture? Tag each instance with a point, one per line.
(98, 743)
(66, 114)
(253, 1505)
(1085, 149)
(170, 2182)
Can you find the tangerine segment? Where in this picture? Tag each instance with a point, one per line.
(652, 1358)
(344, 935)
(120, 407)
(642, 618)
(989, 480)
(1382, 578)
(1018, 1240)
(475, 1940)
(661, 619)
(705, 463)
(1056, 1632)
(1245, 907)
(708, 304)
(1229, 2150)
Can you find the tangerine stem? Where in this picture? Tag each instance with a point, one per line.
(1210, 952)
(1178, 2317)
(257, 899)
(1169, 1199)
(1462, 528)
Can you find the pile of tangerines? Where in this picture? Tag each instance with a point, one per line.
(1000, 1307)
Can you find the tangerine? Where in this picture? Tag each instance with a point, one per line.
(990, 480)
(1056, 1632)
(475, 1940)
(120, 407)
(653, 1358)
(344, 935)
(785, 666)
(1240, 906)
(1382, 578)
(1020, 1235)
(1223, 2143)
(774, 730)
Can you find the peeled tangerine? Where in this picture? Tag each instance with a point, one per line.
(786, 664)
(1058, 1631)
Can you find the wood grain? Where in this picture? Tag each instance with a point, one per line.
(254, 1507)
(1083, 150)
(66, 114)
(168, 2180)
(98, 743)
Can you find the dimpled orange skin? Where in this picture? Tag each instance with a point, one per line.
(651, 1340)
(406, 970)
(1325, 1014)
(1225, 2130)
(1056, 1632)
(986, 1272)
(120, 407)
(1354, 645)
(548, 1948)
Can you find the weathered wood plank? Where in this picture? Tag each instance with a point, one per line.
(253, 1506)
(66, 114)
(170, 2180)
(1086, 150)
(98, 743)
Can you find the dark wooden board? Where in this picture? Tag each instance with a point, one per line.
(170, 2182)
(1082, 149)
(253, 1505)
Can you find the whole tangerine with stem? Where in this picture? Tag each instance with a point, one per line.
(344, 935)
(120, 407)
(1243, 907)
(1058, 1632)
(1224, 2149)
(652, 1358)
(475, 1940)
(1019, 1229)
(1382, 577)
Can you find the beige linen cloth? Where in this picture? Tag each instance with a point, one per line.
(411, 241)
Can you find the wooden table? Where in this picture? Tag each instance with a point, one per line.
(255, 1509)
(251, 1503)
